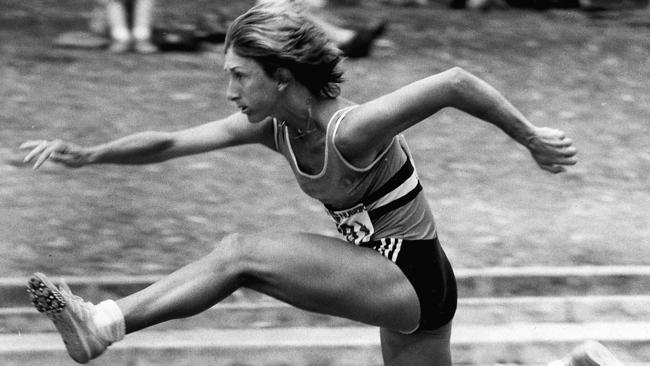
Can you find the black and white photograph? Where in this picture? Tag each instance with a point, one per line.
(325, 182)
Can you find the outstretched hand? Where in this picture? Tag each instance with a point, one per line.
(551, 149)
(57, 151)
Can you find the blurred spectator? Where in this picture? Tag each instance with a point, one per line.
(406, 2)
(118, 21)
(543, 4)
(130, 24)
(529, 4)
(597, 5)
(476, 4)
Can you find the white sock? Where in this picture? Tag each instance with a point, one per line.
(120, 34)
(141, 33)
(109, 321)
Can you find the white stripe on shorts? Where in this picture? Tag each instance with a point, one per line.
(398, 247)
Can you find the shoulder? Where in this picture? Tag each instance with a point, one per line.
(351, 133)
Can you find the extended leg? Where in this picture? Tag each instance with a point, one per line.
(311, 272)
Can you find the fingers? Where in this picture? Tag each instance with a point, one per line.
(554, 159)
(569, 151)
(38, 147)
(42, 150)
(552, 150)
(44, 156)
(563, 142)
(58, 158)
(558, 151)
(64, 159)
(556, 165)
(572, 160)
(56, 151)
(551, 137)
(30, 144)
(562, 155)
(555, 169)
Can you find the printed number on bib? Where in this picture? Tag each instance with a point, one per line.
(354, 223)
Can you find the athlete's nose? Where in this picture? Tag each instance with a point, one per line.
(231, 93)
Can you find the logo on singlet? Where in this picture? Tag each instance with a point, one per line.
(354, 223)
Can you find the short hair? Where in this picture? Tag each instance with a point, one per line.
(279, 36)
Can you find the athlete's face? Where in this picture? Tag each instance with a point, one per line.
(249, 87)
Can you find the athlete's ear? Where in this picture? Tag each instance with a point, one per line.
(284, 77)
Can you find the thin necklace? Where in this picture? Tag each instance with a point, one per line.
(301, 133)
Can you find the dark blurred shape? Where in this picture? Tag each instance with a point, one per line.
(361, 44)
(544, 4)
(189, 37)
(176, 39)
(587, 5)
(457, 4)
(212, 28)
(605, 5)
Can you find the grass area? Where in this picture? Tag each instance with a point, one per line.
(494, 207)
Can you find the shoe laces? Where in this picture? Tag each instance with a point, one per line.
(81, 308)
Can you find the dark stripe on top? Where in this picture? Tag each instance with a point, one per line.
(381, 211)
(401, 176)
(395, 181)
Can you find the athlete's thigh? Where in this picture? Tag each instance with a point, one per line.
(331, 276)
(422, 348)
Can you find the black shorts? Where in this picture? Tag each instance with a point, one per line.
(427, 268)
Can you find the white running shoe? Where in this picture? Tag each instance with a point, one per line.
(71, 316)
(590, 353)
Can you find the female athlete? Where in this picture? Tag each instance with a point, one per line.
(388, 269)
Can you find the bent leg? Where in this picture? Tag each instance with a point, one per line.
(422, 348)
(311, 272)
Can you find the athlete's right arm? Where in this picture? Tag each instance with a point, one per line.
(153, 146)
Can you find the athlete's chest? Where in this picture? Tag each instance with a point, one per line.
(309, 154)
(321, 176)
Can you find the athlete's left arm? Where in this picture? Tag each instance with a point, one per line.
(375, 123)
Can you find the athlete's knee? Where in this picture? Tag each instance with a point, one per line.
(236, 252)
(230, 248)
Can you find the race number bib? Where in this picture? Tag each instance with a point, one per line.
(354, 223)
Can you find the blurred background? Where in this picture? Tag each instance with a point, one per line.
(581, 66)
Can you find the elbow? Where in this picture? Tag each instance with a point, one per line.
(459, 79)
(461, 83)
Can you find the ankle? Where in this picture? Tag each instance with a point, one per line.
(109, 321)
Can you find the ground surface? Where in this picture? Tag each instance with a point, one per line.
(494, 207)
